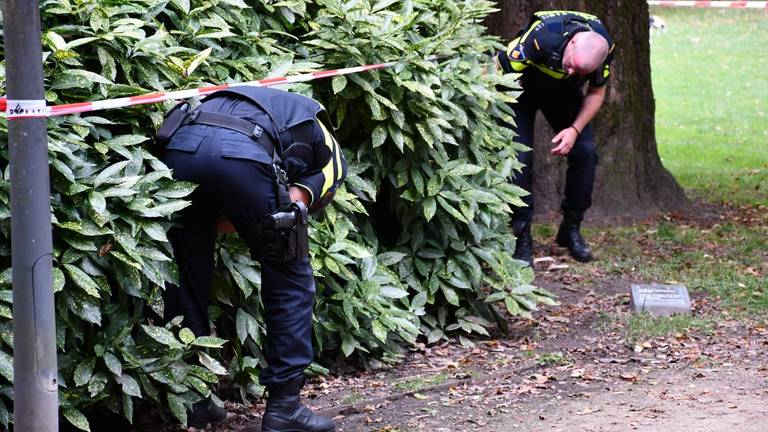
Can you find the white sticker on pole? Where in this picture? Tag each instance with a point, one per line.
(23, 108)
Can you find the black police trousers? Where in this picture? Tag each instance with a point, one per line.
(559, 102)
(244, 190)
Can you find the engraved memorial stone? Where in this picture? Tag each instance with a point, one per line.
(660, 300)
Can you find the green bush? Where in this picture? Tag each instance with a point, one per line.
(415, 245)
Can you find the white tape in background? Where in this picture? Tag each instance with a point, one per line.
(711, 4)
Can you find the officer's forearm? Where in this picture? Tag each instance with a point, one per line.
(590, 107)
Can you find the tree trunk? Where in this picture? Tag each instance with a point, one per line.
(631, 181)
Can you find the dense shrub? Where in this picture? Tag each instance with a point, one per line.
(416, 245)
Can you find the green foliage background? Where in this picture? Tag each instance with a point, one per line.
(415, 245)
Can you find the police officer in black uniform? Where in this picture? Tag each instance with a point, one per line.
(261, 157)
(556, 53)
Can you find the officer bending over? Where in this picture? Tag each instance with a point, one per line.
(556, 53)
(262, 157)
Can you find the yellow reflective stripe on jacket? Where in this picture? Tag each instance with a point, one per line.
(331, 171)
(552, 13)
(550, 72)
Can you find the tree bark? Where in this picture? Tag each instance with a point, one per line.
(631, 181)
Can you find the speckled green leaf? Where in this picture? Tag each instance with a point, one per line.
(165, 209)
(176, 404)
(199, 386)
(6, 366)
(128, 407)
(450, 295)
(186, 335)
(84, 372)
(129, 385)
(379, 135)
(127, 140)
(98, 203)
(209, 342)
(84, 307)
(177, 190)
(83, 280)
(212, 364)
(162, 335)
(154, 230)
(512, 307)
(109, 173)
(76, 419)
(430, 206)
(338, 83)
(113, 363)
(97, 384)
(379, 330)
(85, 228)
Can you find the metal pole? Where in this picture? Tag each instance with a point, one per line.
(35, 385)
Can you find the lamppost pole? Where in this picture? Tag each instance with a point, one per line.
(35, 384)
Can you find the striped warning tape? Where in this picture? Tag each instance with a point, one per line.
(712, 4)
(18, 109)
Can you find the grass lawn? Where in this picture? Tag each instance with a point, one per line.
(710, 80)
(723, 262)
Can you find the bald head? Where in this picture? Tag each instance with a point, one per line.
(585, 53)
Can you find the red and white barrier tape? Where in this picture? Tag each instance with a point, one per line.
(712, 4)
(18, 109)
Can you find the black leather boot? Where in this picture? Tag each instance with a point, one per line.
(286, 413)
(204, 413)
(568, 236)
(524, 242)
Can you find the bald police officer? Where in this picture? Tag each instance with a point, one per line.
(556, 53)
(261, 157)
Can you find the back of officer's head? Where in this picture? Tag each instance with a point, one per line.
(588, 52)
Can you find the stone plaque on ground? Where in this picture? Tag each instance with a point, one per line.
(660, 300)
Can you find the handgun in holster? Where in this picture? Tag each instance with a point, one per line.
(284, 234)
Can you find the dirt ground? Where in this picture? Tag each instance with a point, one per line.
(576, 368)
(690, 382)
(729, 398)
(568, 373)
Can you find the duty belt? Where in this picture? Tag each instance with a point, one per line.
(236, 124)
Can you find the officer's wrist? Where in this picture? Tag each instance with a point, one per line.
(578, 132)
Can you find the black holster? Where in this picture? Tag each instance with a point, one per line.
(284, 235)
(173, 121)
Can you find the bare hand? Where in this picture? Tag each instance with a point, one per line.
(299, 194)
(223, 225)
(564, 141)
